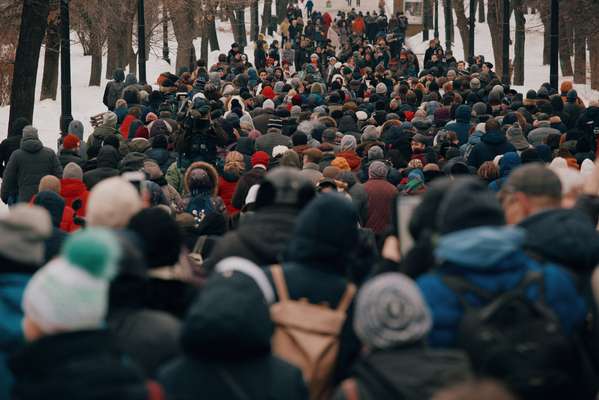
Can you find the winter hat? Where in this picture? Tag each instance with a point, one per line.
(160, 127)
(76, 128)
(268, 105)
(23, 230)
(199, 181)
(29, 132)
(587, 168)
(331, 172)
(341, 163)
(558, 163)
(160, 234)
(109, 119)
(370, 133)
(572, 96)
(375, 153)
(517, 139)
(479, 108)
(566, 86)
(71, 292)
(279, 150)
(112, 203)
(348, 143)
(260, 158)
(378, 170)
(468, 204)
(49, 183)
(474, 84)
(390, 312)
(361, 115)
(72, 171)
(381, 88)
(70, 142)
(268, 92)
(132, 162)
(250, 269)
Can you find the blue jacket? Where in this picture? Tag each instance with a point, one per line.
(492, 259)
(462, 124)
(12, 287)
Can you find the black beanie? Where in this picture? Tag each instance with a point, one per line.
(468, 204)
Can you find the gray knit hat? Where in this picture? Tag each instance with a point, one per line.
(391, 311)
(375, 153)
(377, 170)
(72, 171)
(29, 132)
(23, 230)
(348, 142)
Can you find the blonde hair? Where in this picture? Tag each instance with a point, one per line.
(234, 163)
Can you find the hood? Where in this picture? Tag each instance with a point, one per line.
(566, 237)
(347, 124)
(31, 145)
(130, 80)
(480, 247)
(210, 170)
(245, 146)
(17, 127)
(509, 162)
(119, 75)
(139, 145)
(229, 320)
(161, 156)
(493, 138)
(475, 137)
(463, 113)
(108, 157)
(72, 188)
(325, 234)
(53, 203)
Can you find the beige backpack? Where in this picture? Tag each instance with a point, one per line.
(307, 335)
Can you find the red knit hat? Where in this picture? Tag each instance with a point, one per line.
(70, 142)
(260, 158)
(268, 92)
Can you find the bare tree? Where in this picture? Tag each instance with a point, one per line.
(519, 40)
(51, 55)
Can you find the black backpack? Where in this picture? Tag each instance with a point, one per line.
(517, 340)
(198, 145)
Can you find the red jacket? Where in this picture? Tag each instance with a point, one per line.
(352, 158)
(226, 190)
(68, 224)
(73, 189)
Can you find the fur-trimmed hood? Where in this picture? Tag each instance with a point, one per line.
(210, 170)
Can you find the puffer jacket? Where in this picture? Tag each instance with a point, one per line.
(108, 161)
(26, 167)
(492, 144)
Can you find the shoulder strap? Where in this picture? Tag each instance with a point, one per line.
(279, 279)
(200, 243)
(461, 286)
(347, 298)
(531, 278)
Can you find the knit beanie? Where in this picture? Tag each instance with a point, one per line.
(70, 142)
(375, 153)
(268, 104)
(381, 88)
(160, 234)
(76, 128)
(348, 142)
(260, 158)
(279, 150)
(109, 119)
(71, 292)
(378, 170)
(341, 163)
(112, 203)
(72, 171)
(23, 230)
(390, 311)
(29, 132)
(49, 183)
(468, 204)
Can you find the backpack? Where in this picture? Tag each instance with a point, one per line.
(307, 335)
(516, 339)
(198, 145)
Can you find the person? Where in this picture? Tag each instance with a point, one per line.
(26, 167)
(12, 142)
(532, 199)
(23, 231)
(380, 197)
(226, 342)
(260, 161)
(113, 89)
(105, 130)
(392, 321)
(106, 167)
(232, 171)
(65, 304)
(72, 188)
(492, 143)
(70, 151)
(309, 7)
(462, 124)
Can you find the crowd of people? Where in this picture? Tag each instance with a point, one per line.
(236, 231)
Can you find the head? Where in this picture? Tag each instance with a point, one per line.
(112, 203)
(528, 190)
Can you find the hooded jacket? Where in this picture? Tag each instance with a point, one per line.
(26, 167)
(226, 345)
(74, 189)
(462, 124)
(108, 161)
(55, 206)
(114, 89)
(492, 144)
(492, 259)
(508, 163)
(12, 142)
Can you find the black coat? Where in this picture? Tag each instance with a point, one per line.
(107, 164)
(492, 144)
(226, 341)
(76, 365)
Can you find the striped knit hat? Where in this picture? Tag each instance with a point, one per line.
(391, 311)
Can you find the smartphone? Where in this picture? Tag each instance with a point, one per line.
(404, 207)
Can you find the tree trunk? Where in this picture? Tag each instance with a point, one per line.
(213, 36)
(254, 23)
(481, 11)
(546, 35)
(185, 30)
(462, 24)
(266, 15)
(95, 76)
(205, 41)
(594, 54)
(580, 54)
(111, 57)
(34, 19)
(51, 58)
(494, 11)
(519, 41)
(281, 7)
(565, 51)
(240, 14)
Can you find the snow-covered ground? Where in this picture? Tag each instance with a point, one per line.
(87, 101)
